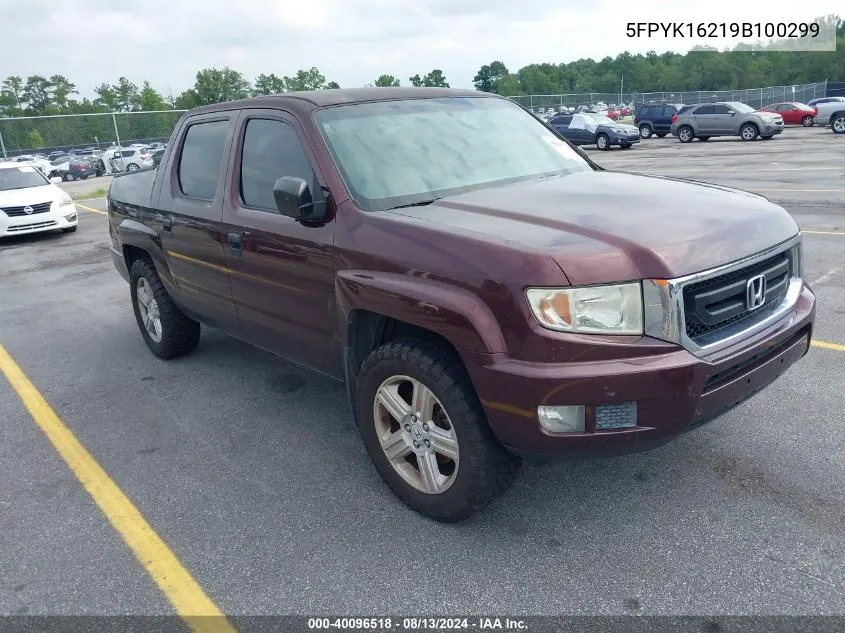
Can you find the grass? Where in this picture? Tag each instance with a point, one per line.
(89, 195)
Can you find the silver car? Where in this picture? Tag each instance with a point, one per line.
(726, 118)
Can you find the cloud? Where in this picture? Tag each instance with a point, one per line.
(350, 41)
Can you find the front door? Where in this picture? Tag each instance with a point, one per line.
(282, 271)
(723, 120)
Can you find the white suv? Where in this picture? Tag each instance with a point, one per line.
(29, 203)
(133, 159)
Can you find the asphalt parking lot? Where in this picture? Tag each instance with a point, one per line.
(251, 471)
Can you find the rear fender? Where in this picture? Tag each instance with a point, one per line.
(133, 233)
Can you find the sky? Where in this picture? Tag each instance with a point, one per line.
(350, 41)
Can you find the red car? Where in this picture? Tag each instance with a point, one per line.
(793, 113)
(614, 114)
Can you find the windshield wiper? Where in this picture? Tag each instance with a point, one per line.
(423, 203)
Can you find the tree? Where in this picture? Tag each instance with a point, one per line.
(61, 91)
(311, 79)
(37, 93)
(387, 81)
(36, 141)
(434, 79)
(11, 95)
(488, 76)
(214, 85)
(333, 85)
(149, 99)
(268, 85)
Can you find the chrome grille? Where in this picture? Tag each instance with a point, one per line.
(16, 212)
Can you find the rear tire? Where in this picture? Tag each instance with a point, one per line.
(645, 131)
(686, 134)
(175, 334)
(452, 415)
(749, 132)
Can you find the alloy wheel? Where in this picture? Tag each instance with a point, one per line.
(416, 434)
(148, 307)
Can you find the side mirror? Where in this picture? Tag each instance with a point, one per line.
(56, 180)
(294, 199)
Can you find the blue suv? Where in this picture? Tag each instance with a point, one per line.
(655, 118)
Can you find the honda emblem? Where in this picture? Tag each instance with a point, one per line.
(755, 292)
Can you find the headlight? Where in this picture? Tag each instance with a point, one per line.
(65, 200)
(616, 309)
(619, 130)
(767, 118)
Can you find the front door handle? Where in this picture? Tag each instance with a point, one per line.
(236, 244)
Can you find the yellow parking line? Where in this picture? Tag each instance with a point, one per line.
(184, 593)
(824, 232)
(91, 209)
(825, 345)
(803, 190)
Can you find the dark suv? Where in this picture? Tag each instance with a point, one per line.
(655, 118)
(485, 291)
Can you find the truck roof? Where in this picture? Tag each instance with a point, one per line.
(311, 99)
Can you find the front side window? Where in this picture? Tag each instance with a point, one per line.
(708, 109)
(199, 164)
(414, 151)
(271, 150)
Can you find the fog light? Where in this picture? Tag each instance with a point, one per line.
(71, 217)
(568, 419)
(616, 416)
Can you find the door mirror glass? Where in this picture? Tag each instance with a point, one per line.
(293, 199)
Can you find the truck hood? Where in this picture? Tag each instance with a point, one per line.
(603, 226)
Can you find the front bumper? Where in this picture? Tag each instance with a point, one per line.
(627, 139)
(674, 392)
(56, 218)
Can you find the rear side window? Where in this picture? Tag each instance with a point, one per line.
(721, 109)
(271, 150)
(199, 164)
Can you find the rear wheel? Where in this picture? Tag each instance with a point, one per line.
(69, 177)
(132, 167)
(426, 432)
(603, 142)
(807, 121)
(685, 134)
(167, 332)
(748, 132)
(645, 131)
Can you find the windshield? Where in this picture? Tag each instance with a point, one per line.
(21, 177)
(601, 119)
(395, 153)
(741, 107)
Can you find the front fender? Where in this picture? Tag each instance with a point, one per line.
(454, 313)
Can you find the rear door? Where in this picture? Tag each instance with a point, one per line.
(702, 119)
(190, 214)
(282, 271)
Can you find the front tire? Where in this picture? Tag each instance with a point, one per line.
(645, 131)
(167, 332)
(749, 132)
(132, 167)
(426, 433)
(603, 142)
(837, 123)
(686, 134)
(807, 121)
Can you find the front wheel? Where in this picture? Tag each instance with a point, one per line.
(426, 433)
(603, 142)
(166, 330)
(807, 121)
(837, 123)
(132, 167)
(69, 177)
(685, 134)
(748, 132)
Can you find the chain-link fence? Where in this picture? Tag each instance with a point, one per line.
(755, 97)
(64, 133)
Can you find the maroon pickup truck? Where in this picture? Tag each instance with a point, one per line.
(485, 291)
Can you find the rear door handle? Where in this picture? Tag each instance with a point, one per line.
(236, 244)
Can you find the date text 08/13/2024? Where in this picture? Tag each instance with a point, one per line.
(723, 29)
(417, 624)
